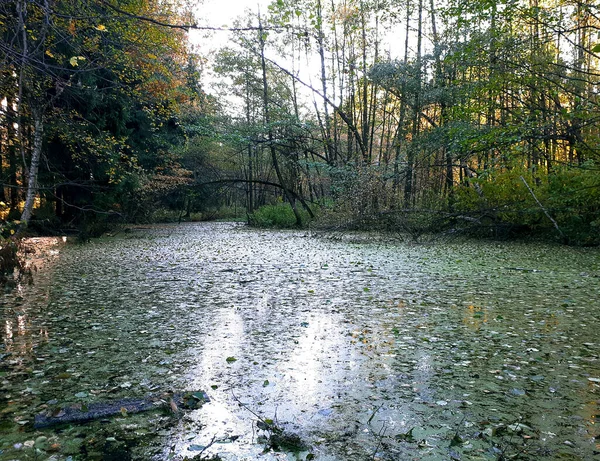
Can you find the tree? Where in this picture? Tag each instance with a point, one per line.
(97, 81)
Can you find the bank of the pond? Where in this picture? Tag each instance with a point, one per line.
(362, 350)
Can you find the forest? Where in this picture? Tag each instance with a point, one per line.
(412, 116)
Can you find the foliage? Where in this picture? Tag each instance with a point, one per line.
(487, 116)
(574, 198)
(109, 92)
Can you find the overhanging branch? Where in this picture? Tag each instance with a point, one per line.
(186, 27)
(264, 183)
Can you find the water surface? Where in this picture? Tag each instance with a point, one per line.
(363, 348)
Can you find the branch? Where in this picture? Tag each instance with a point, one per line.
(265, 183)
(336, 108)
(544, 209)
(186, 27)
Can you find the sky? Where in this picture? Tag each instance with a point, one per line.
(219, 13)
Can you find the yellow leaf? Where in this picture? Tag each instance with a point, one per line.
(101, 27)
(49, 53)
(74, 61)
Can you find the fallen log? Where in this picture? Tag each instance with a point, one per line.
(81, 413)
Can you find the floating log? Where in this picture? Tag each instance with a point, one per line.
(81, 413)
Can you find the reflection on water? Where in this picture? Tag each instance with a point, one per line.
(366, 351)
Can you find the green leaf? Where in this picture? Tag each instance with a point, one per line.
(596, 48)
(230, 359)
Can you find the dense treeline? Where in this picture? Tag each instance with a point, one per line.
(91, 96)
(399, 114)
(479, 115)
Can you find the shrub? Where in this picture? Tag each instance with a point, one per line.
(280, 216)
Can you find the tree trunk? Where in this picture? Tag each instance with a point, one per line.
(267, 119)
(329, 147)
(409, 186)
(12, 155)
(36, 153)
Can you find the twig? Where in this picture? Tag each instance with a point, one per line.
(211, 443)
(381, 435)
(270, 426)
(374, 413)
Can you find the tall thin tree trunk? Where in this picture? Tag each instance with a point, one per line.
(399, 136)
(12, 155)
(409, 192)
(267, 119)
(36, 154)
(329, 147)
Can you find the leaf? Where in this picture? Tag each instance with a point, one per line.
(123, 411)
(49, 53)
(266, 383)
(100, 27)
(407, 436)
(74, 61)
(230, 359)
(596, 48)
(266, 424)
(457, 440)
(200, 396)
(262, 426)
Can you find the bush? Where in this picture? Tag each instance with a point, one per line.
(280, 216)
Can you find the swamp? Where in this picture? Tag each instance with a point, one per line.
(347, 347)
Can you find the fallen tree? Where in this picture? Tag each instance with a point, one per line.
(81, 413)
